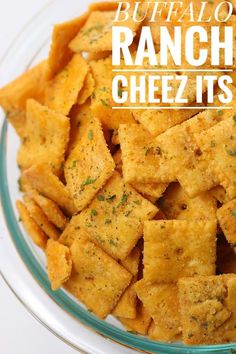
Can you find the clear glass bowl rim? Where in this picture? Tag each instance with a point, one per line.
(60, 297)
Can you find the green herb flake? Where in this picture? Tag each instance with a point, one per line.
(233, 213)
(128, 213)
(104, 103)
(108, 221)
(231, 152)
(124, 199)
(213, 144)
(112, 243)
(74, 163)
(110, 198)
(94, 212)
(220, 113)
(100, 197)
(93, 28)
(138, 202)
(234, 118)
(88, 181)
(90, 135)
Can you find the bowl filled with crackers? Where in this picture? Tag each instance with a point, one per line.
(118, 174)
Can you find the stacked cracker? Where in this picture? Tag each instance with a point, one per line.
(97, 181)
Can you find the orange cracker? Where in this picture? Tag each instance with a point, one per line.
(158, 121)
(161, 302)
(176, 204)
(180, 152)
(71, 232)
(96, 34)
(89, 164)
(126, 307)
(34, 231)
(62, 92)
(218, 147)
(97, 280)
(87, 90)
(219, 193)
(207, 307)
(40, 218)
(59, 263)
(60, 54)
(227, 219)
(114, 219)
(102, 101)
(45, 182)
(154, 190)
(13, 97)
(177, 248)
(139, 156)
(46, 137)
(140, 324)
(51, 210)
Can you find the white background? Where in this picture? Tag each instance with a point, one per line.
(20, 333)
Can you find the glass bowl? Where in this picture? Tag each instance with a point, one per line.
(22, 264)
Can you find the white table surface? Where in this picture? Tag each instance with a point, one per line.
(20, 333)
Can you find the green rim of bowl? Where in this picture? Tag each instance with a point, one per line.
(61, 298)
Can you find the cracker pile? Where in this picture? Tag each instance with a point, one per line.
(136, 210)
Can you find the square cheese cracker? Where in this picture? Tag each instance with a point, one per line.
(13, 97)
(218, 146)
(176, 204)
(180, 152)
(97, 280)
(207, 307)
(62, 92)
(161, 302)
(177, 248)
(139, 156)
(60, 53)
(114, 219)
(89, 164)
(96, 34)
(45, 182)
(46, 137)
